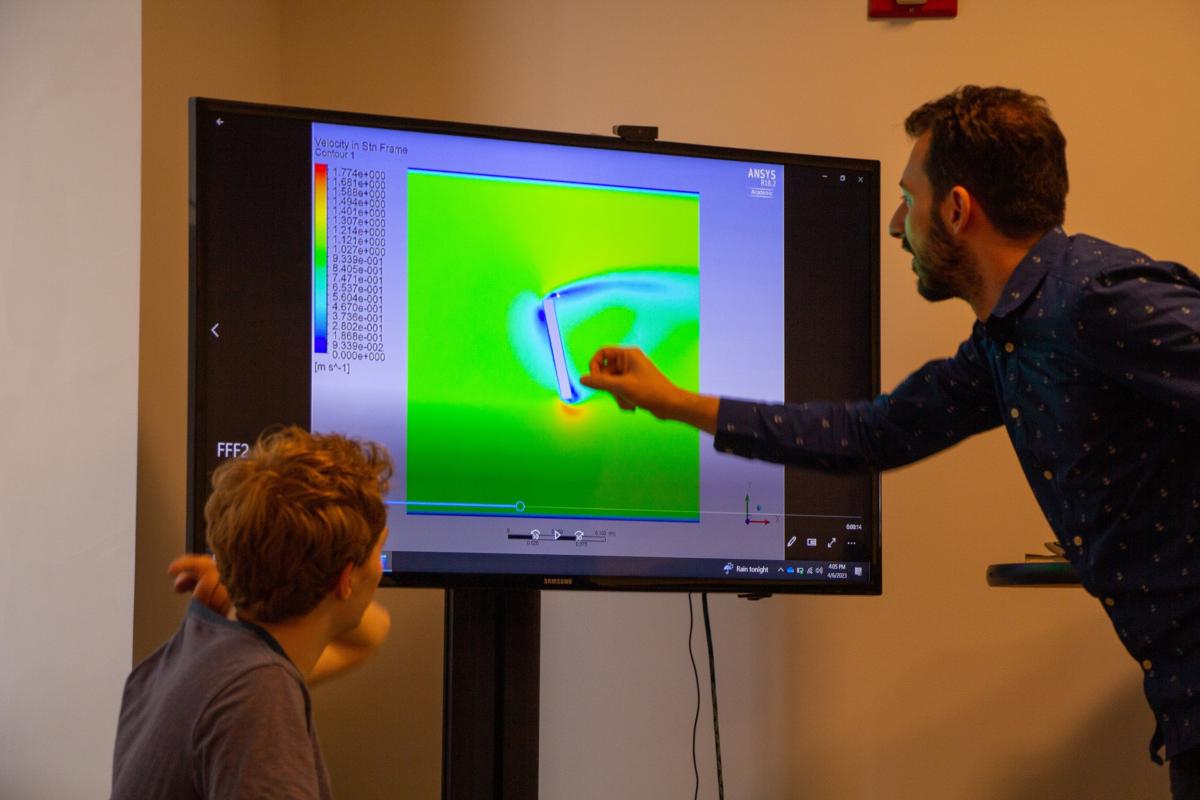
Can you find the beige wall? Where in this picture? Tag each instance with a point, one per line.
(942, 688)
(69, 217)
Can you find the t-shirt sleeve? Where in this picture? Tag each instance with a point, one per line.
(940, 404)
(253, 739)
(1140, 324)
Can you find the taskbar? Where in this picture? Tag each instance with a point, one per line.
(398, 563)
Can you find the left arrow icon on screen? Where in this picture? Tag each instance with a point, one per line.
(214, 331)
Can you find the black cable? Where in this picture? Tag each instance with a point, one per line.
(712, 678)
(696, 675)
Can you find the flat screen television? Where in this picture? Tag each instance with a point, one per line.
(439, 288)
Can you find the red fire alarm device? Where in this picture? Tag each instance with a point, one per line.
(911, 9)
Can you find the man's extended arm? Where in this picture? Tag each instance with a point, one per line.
(938, 405)
(632, 378)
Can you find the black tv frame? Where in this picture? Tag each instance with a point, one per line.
(199, 468)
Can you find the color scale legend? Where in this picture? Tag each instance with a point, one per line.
(320, 259)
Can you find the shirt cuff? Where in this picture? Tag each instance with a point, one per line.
(737, 427)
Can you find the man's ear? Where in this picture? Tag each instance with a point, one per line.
(957, 209)
(345, 582)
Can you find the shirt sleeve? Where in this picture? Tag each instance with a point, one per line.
(940, 404)
(1140, 324)
(253, 740)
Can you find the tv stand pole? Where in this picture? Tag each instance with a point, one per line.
(491, 687)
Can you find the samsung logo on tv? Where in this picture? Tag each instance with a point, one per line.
(761, 173)
(558, 581)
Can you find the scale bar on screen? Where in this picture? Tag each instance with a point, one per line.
(320, 259)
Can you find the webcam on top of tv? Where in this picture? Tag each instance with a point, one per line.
(636, 133)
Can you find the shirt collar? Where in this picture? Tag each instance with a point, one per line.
(1030, 272)
(200, 609)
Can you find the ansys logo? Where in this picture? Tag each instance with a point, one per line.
(762, 181)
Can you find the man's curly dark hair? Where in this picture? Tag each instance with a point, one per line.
(1005, 148)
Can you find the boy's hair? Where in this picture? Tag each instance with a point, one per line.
(1005, 148)
(284, 520)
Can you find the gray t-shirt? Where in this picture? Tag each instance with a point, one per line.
(219, 711)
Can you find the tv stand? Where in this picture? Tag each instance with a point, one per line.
(491, 688)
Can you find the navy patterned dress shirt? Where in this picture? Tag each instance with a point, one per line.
(1091, 361)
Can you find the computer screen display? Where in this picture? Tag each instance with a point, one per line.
(439, 288)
